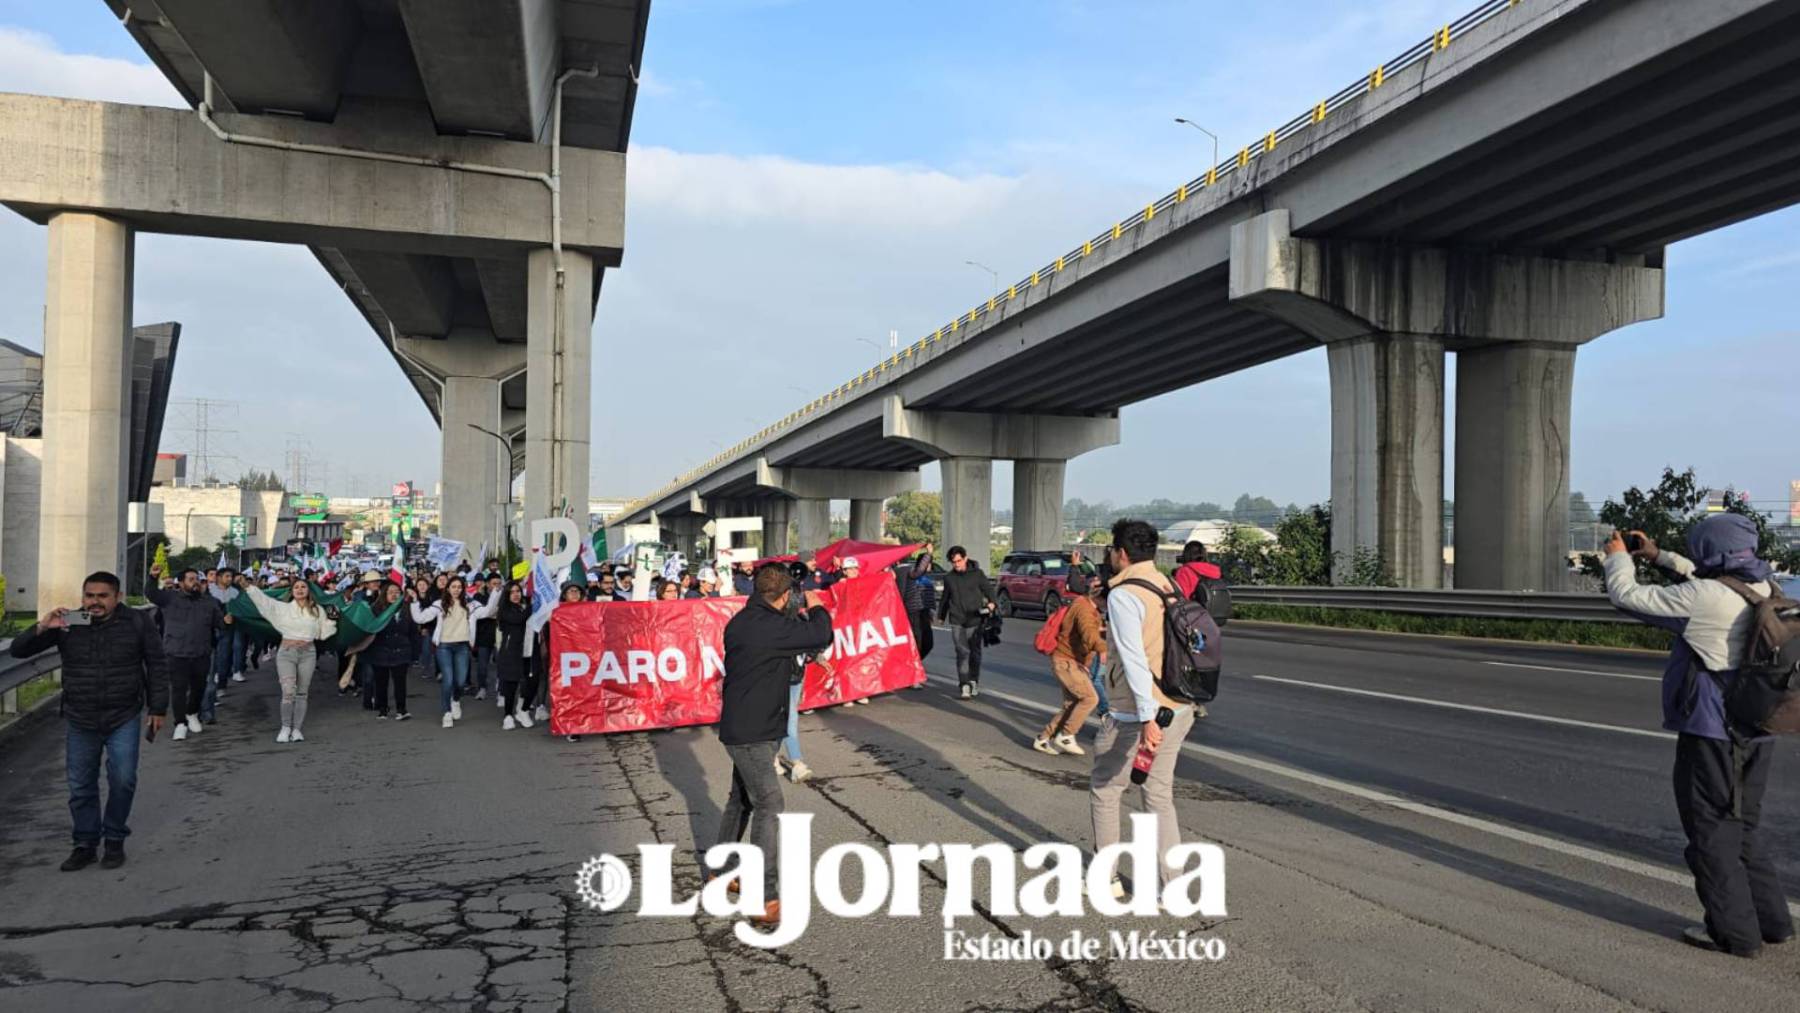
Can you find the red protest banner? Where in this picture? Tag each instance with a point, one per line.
(634, 666)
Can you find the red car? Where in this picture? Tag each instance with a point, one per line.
(1033, 581)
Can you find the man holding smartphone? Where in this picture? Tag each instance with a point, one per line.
(112, 669)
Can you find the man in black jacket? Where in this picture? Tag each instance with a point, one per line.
(192, 620)
(761, 645)
(968, 598)
(112, 666)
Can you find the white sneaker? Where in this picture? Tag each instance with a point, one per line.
(284, 734)
(542, 713)
(1043, 745)
(296, 737)
(193, 723)
(524, 717)
(508, 724)
(1067, 744)
(800, 772)
(974, 689)
(481, 694)
(449, 722)
(456, 709)
(180, 731)
(965, 691)
(499, 699)
(237, 677)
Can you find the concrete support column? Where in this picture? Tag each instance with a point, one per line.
(471, 462)
(775, 515)
(865, 520)
(1512, 466)
(87, 352)
(1038, 504)
(812, 522)
(1387, 313)
(968, 500)
(559, 346)
(1387, 456)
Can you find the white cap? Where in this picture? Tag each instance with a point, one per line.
(852, 563)
(708, 576)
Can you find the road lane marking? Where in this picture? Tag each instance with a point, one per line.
(1576, 671)
(1647, 733)
(1661, 874)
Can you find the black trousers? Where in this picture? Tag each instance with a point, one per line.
(1733, 872)
(383, 677)
(187, 684)
(922, 633)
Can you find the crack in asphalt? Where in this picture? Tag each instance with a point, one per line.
(422, 945)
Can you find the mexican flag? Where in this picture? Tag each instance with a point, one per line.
(357, 622)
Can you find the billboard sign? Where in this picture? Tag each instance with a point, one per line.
(309, 506)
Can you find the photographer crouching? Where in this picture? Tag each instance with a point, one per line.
(762, 645)
(1720, 771)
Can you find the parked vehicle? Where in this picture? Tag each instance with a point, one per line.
(1033, 581)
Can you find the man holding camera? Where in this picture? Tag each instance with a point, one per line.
(761, 644)
(112, 666)
(1720, 771)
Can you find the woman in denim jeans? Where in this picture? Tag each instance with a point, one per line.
(454, 639)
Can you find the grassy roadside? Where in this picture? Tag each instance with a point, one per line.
(1629, 635)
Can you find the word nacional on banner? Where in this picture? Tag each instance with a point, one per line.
(634, 666)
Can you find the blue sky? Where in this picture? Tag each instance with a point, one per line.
(808, 175)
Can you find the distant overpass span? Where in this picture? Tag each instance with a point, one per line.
(1502, 191)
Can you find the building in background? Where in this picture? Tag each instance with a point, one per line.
(170, 469)
(258, 523)
(153, 349)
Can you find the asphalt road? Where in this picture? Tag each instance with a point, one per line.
(1581, 755)
(1382, 853)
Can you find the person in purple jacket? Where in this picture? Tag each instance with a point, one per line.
(1720, 772)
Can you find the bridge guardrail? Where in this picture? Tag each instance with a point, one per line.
(1546, 605)
(1438, 41)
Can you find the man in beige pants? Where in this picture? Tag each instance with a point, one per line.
(1141, 714)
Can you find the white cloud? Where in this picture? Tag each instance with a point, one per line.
(32, 63)
(740, 189)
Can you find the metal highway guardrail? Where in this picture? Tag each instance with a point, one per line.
(1548, 605)
(1438, 41)
(16, 672)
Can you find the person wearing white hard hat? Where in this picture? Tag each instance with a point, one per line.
(707, 584)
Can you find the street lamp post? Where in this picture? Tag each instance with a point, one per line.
(1215, 139)
(991, 273)
(505, 544)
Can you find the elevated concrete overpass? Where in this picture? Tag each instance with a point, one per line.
(1503, 191)
(456, 166)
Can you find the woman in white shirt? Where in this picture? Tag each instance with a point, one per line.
(454, 639)
(300, 621)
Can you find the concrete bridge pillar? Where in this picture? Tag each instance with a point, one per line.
(968, 500)
(812, 523)
(559, 347)
(1038, 504)
(967, 443)
(1387, 314)
(1512, 481)
(775, 516)
(470, 367)
(865, 520)
(87, 351)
